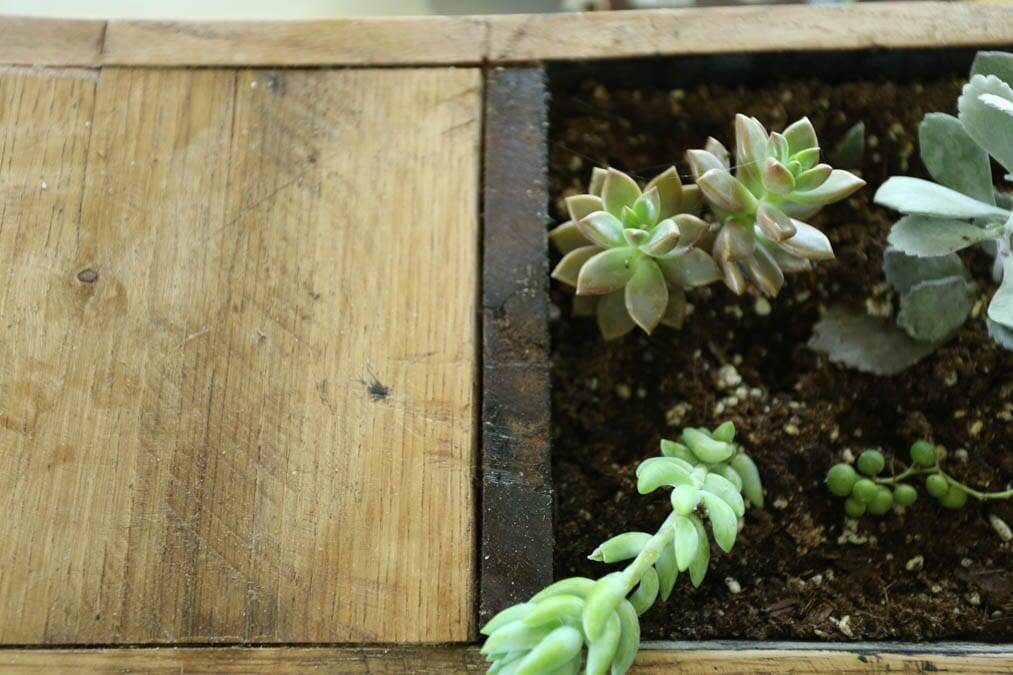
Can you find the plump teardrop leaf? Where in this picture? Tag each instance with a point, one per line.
(618, 191)
(724, 432)
(698, 567)
(927, 236)
(718, 149)
(752, 488)
(579, 586)
(601, 602)
(514, 636)
(597, 181)
(750, 148)
(607, 271)
(663, 238)
(668, 571)
(555, 650)
(923, 197)
(723, 520)
(602, 651)
(555, 608)
(684, 499)
(629, 639)
(678, 451)
(691, 229)
(508, 615)
(986, 111)
(686, 542)
(764, 272)
(660, 471)
(646, 294)
(621, 547)
(675, 311)
(726, 490)
(647, 591)
(953, 158)
(706, 448)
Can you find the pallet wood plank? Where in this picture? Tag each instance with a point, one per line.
(36, 41)
(252, 419)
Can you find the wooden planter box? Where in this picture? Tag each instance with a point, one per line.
(500, 544)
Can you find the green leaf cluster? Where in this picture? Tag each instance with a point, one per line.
(867, 491)
(637, 249)
(960, 209)
(595, 623)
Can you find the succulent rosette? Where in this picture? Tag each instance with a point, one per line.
(634, 249)
(778, 182)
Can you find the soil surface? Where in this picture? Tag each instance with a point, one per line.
(800, 568)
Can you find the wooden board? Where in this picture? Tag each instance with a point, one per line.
(517, 539)
(507, 39)
(238, 402)
(655, 658)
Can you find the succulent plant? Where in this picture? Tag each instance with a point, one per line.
(636, 250)
(960, 209)
(711, 479)
(778, 182)
(865, 491)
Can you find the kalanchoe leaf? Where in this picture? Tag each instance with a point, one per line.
(602, 229)
(702, 161)
(904, 271)
(694, 268)
(774, 223)
(764, 272)
(953, 158)
(808, 242)
(922, 197)
(801, 136)
(568, 268)
(999, 64)
(618, 191)
(807, 159)
(811, 179)
(581, 206)
(847, 154)
(1002, 335)
(717, 148)
(867, 343)
(663, 239)
(777, 178)
(839, 185)
(986, 111)
(675, 312)
(613, 319)
(1000, 309)
(670, 190)
(646, 294)
(926, 236)
(567, 237)
(607, 271)
(932, 310)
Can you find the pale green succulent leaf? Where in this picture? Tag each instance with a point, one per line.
(808, 242)
(752, 488)
(629, 640)
(774, 223)
(668, 571)
(567, 237)
(601, 602)
(734, 242)
(675, 311)
(613, 319)
(954, 159)
(837, 186)
(692, 199)
(656, 472)
(704, 447)
(618, 191)
(1000, 309)
(684, 499)
(555, 650)
(635, 237)
(905, 271)
(932, 310)
(647, 591)
(800, 136)
(686, 542)
(764, 272)
(508, 615)
(702, 161)
(607, 271)
(670, 192)
(807, 159)
(1002, 335)
(581, 206)
(776, 177)
(727, 491)
(922, 197)
(788, 262)
(724, 431)
(726, 192)
(597, 181)
(648, 206)
(568, 268)
(646, 294)
(691, 229)
(986, 111)
(718, 149)
(723, 521)
(732, 476)
(928, 236)
(698, 567)
(750, 149)
(579, 586)
(813, 178)
(584, 305)
(678, 451)
(777, 147)
(514, 636)
(601, 652)
(555, 608)
(621, 547)
(692, 269)
(999, 64)
(847, 154)
(602, 229)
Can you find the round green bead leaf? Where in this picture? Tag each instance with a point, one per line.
(853, 507)
(923, 454)
(954, 498)
(905, 495)
(871, 462)
(882, 502)
(936, 485)
(864, 491)
(841, 479)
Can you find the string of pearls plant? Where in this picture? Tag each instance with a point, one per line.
(866, 491)
(711, 478)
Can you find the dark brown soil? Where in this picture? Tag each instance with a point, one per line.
(801, 576)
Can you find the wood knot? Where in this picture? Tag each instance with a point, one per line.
(87, 276)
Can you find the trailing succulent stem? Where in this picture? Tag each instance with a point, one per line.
(866, 491)
(711, 479)
(638, 249)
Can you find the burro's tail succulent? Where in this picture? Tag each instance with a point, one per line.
(636, 250)
(596, 622)
(778, 182)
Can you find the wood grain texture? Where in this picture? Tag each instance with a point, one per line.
(239, 397)
(507, 39)
(407, 659)
(33, 41)
(517, 539)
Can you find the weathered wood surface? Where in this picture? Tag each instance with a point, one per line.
(407, 659)
(517, 540)
(239, 354)
(506, 39)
